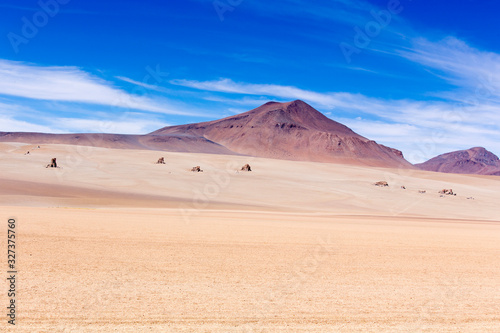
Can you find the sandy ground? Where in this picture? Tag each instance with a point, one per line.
(113, 242)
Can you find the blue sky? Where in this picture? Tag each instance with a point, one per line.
(420, 76)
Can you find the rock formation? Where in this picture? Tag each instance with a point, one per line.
(52, 164)
(447, 192)
(246, 167)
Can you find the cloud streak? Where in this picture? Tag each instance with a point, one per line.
(225, 85)
(143, 85)
(16, 118)
(460, 64)
(71, 84)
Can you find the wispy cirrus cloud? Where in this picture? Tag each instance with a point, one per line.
(21, 118)
(225, 85)
(143, 85)
(460, 64)
(244, 101)
(9, 124)
(71, 84)
(326, 100)
(125, 125)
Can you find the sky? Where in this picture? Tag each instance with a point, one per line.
(420, 76)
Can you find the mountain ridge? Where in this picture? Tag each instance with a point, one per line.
(294, 131)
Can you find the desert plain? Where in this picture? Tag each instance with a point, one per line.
(112, 242)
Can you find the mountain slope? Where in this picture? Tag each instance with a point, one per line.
(294, 131)
(476, 160)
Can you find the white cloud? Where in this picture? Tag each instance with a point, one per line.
(245, 101)
(225, 85)
(143, 85)
(125, 126)
(78, 125)
(20, 118)
(460, 64)
(71, 84)
(8, 124)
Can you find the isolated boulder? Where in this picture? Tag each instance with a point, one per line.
(52, 164)
(161, 160)
(196, 169)
(246, 167)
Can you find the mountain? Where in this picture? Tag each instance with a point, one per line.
(476, 160)
(293, 131)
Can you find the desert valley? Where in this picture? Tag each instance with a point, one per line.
(111, 240)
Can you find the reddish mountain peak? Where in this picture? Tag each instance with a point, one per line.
(290, 106)
(296, 114)
(292, 130)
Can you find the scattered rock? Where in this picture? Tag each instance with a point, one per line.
(381, 183)
(161, 160)
(196, 169)
(246, 167)
(403, 187)
(422, 191)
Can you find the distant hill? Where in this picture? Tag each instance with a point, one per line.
(293, 131)
(476, 160)
(186, 143)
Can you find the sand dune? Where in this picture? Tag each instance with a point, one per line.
(112, 241)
